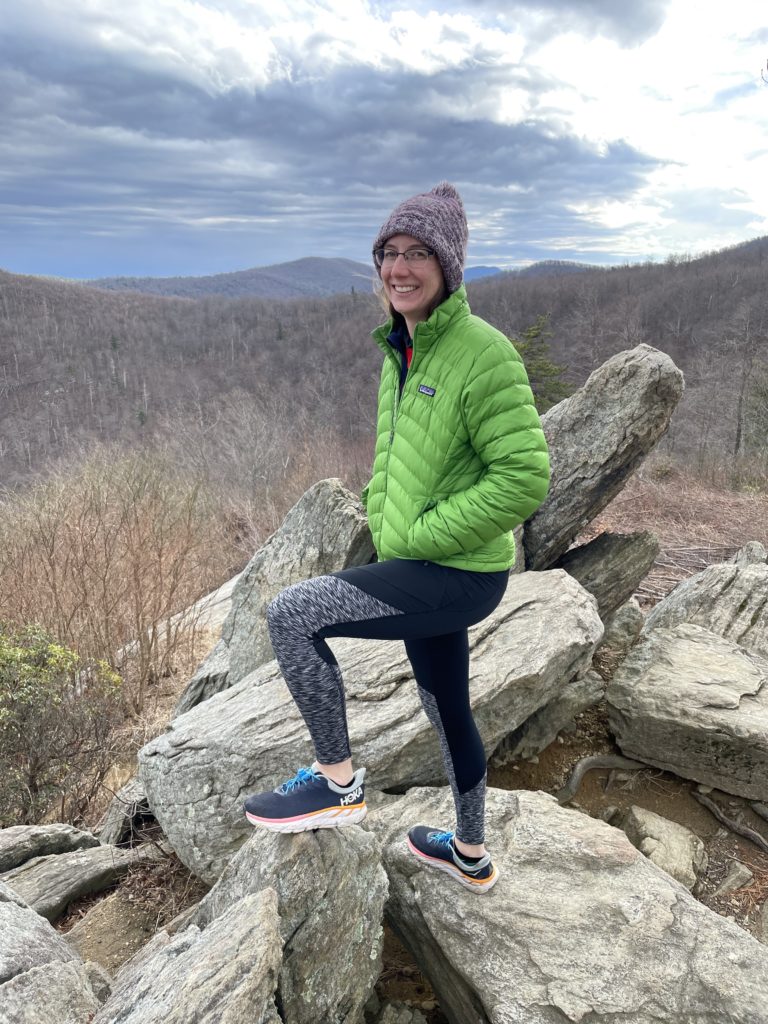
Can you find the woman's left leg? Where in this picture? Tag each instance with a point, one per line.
(441, 668)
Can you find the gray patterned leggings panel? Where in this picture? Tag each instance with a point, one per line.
(429, 608)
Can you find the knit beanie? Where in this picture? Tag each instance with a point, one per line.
(437, 219)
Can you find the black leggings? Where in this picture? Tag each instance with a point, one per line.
(429, 606)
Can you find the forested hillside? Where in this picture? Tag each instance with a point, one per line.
(207, 376)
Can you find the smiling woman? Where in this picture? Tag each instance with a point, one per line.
(460, 461)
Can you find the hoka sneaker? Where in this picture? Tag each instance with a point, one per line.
(437, 849)
(308, 800)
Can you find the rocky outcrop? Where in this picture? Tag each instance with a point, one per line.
(671, 847)
(597, 439)
(226, 973)
(21, 843)
(611, 567)
(290, 934)
(694, 703)
(41, 977)
(326, 530)
(251, 736)
(728, 599)
(331, 890)
(49, 884)
(580, 926)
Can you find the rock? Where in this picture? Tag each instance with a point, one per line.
(696, 704)
(611, 567)
(226, 973)
(125, 815)
(39, 970)
(113, 930)
(49, 884)
(597, 438)
(211, 677)
(753, 553)
(727, 599)
(331, 890)
(580, 926)
(738, 875)
(541, 728)
(400, 1013)
(672, 847)
(251, 737)
(326, 530)
(20, 843)
(623, 628)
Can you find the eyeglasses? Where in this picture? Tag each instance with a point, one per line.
(388, 257)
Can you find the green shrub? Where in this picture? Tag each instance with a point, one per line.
(57, 718)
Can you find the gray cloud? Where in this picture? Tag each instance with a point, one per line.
(112, 167)
(628, 23)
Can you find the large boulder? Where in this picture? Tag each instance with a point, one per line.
(21, 843)
(325, 531)
(579, 927)
(729, 599)
(251, 736)
(331, 890)
(226, 973)
(693, 703)
(41, 976)
(611, 567)
(597, 439)
(49, 884)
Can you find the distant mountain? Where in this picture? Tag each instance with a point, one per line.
(300, 279)
(473, 273)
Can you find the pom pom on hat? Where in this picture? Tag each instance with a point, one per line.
(437, 219)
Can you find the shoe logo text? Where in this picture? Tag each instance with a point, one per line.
(351, 797)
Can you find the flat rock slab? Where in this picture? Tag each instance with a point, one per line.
(579, 927)
(39, 970)
(696, 704)
(331, 890)
(50, 884)
(226, 973)
(597, 438)
(612, 566)
(20, 843)
(251, 737)
(728, 599)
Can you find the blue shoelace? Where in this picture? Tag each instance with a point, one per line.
(442, 838)
(302, 776)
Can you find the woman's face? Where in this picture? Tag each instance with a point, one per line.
(412, 289)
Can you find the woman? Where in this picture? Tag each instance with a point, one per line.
(460, 460)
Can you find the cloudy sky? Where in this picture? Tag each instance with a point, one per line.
(199, 136)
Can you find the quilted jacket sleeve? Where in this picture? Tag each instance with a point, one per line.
(505, 432)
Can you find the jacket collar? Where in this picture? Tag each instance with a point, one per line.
(428, 331)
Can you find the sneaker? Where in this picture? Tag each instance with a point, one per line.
(437, 849)
(308, 800)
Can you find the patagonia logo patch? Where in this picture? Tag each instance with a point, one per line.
(425, 390)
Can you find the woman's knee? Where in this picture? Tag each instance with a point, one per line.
(295, 604)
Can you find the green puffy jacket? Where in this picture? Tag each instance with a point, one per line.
(460, 456)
